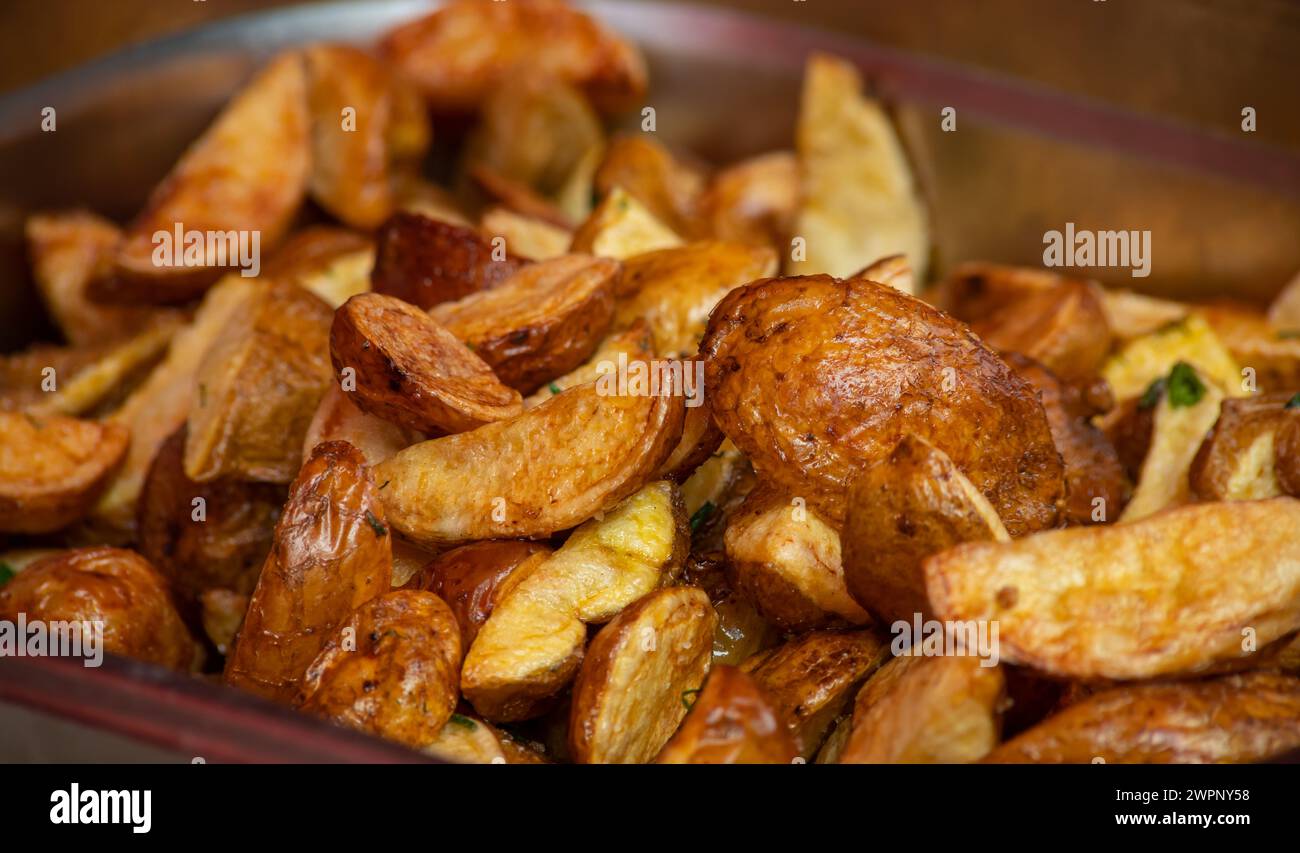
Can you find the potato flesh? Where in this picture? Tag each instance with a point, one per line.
(1237, 460)
(1132, 369)
(621, 227)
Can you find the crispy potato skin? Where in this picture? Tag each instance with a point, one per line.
(426, 261)
(247, 172)
(391, 669)
(1233, 719)
(459, 53)
(474, 577)
(902, 509)
(701, 438)
(634, 343)
(812, 679)
(338, 419)
(812, 377)
(627, 700)
(519, 477)
(1092, 464)
(53, 469)
(973, 291)
(754, 201)
(927, 710)
(413, 372)
(1162, 596)
(224, 546)
(785, 558)
(730, 722)
(1256, 343)
(112, 585)
(649, 173)
(542, 322)
(259, 386)
(332, 553)
(531, 645)
(1064, 328)
(1236, 461)
(1287, 455)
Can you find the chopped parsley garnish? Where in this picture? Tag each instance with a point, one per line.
(1185, 387)
(555, 389)
(693, 694)
(1293, 403)
(701, 515)
(463, 721)
(1151, 397)
(376, 524)
(7, 573)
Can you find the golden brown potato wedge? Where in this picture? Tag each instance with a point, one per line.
(627, 700)
(648, 172)
(812, 378)
(893, 270)
(474, 577)
(700, 440)
(406, 368)
(1284, 311)
(784, 556)
(632, 344)
(674, 290)
(730, 722)
(927, 710)
(338, 419)
(465, 740)
(98, 386)
(741, 631)
(221, 612)
(1064, 328)
(258, 387)
(53, 469)
(1131, 370)
(1170, 594)
(542, 322)
(812, 679)
(332, 553)
(1269, 355)
(1287, 456)
(459, 53)
(1236, 461)
(752, 202)
(517, 196)
(426, 261)
(111, 586)
(25, 376)
(332, 263)
(975, 290)
(392, 668)
(362, 130)
(546, 470)
(858, 201)
(909, 505)
(531, 645)
(1233, 719)
(245, 177)
(526, 236)
(204, 536)
(1134, 315)
(621, 227)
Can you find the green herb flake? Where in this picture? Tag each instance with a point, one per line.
(555, 389)
(463, 721)
(1293, 403)
(701, 515)
(1185, 387)
(689, 697)
(1151, 397)
(376, 524)
(7, 573)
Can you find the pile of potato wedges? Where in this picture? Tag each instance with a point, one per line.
(406, 479)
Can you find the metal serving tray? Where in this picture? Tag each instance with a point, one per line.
(1224, 215)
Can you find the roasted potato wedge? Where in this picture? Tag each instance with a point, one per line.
(1166, 595)
(754, 201)
(674, 290)
(111, 586)
(927, 710)
(893, 270)
(474, 577)
(648, 172)
(630, 345)
(426, 261)
(465, 740)
(1236, 461)
(258, 387)
(1269, 354)
(410, 370)
(501, 481)
(973, 290)
(459, 53)
(53, 469)
(107, 380)
(730, 722)
(627, 700)
(909, 505)
(858, 201)
(333, 263)
(1233, 719)
(812, 378)
(338, 419)
(542, 322)
(221, 613)
(1287, 456)
(332, 553)
(517, 196)
(1065, 328)
(784, 556)
(392, 668)
(531, 645)
(1284, 310)
(742, 632)
(1134, 315)
(526, 236)
(1131, 370)
(700, 440)
(812, 679)
(621, 227)
(246, 175)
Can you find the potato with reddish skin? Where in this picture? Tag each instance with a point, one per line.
(1165, 595)
(110, 585)
(332, 553)
(813, 678)
(542, 322)
(927, 710)
(337, 418)
(730, 722)
(1236, 461)
(413, 372)
(1232, 719)
(53, 469)
(812, 378)
(474, 577)
(391, 669)
(1064, 328)
(546, 470)
(247, 174)
(627, 700)
(459, 53)
(426, 261)
(902, 509)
